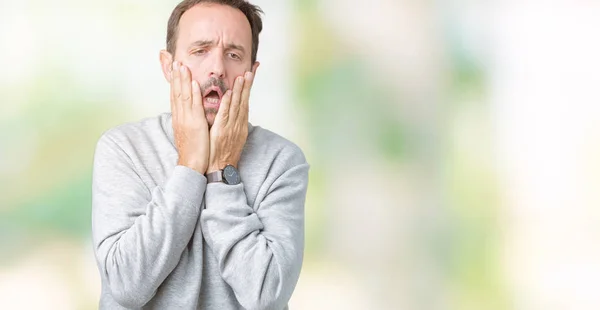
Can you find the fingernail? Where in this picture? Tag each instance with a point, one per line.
(248, 75)
(195, 87)
(239, 79)
(175, 65)
(182, 68)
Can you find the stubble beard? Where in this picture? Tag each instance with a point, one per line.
(210, 83)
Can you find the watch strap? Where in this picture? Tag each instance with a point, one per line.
(215, 176)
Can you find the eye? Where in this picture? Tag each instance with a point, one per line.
(200, 52)
(234, 56)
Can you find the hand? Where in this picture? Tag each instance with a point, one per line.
(229, 132)
(190, 128)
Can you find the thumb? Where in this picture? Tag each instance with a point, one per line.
(197, 99)
(223, 113)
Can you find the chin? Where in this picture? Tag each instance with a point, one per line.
(210, 120)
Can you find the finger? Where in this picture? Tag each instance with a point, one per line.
(172, 92)
(234, 107)
(186, 88)
(197, 99)
(244, 104)
(176, 86)
(223, 113)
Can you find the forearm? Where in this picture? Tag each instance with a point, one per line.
(259, 253)
(139, 237)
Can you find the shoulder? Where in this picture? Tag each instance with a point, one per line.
(135, 141)
(138, 135)
(137, 131)
(271, 145)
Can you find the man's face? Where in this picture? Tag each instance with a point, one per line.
(215, 42)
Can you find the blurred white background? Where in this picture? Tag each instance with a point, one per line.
(454, 145)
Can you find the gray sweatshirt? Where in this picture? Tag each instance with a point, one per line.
(165, 239)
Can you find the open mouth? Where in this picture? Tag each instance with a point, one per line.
(213, 96)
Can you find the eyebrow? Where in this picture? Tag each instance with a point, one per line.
(228, 46)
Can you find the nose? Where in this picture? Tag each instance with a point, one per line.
(217, 69)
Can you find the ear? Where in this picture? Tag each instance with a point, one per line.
(166, 64)
(254, 67)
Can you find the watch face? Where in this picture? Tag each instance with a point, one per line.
(231, 175)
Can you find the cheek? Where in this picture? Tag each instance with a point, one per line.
(197, 72)
(230, 81)
(195, 66)
(233, 71)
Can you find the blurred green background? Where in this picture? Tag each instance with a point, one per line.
(453, 145)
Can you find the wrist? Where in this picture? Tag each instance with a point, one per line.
(197, 166)
(219, 166)
(228, 175)
(212, 169)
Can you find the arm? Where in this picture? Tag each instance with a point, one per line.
(259, 253)
(139, 235)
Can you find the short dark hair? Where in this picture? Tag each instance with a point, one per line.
(251, 11)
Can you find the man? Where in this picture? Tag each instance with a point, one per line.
(197, 208)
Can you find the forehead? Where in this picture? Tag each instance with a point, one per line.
(214, 22)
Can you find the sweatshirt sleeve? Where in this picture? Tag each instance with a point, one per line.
(259, 252)
(139, 234)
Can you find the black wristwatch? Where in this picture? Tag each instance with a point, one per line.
(229, 175)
